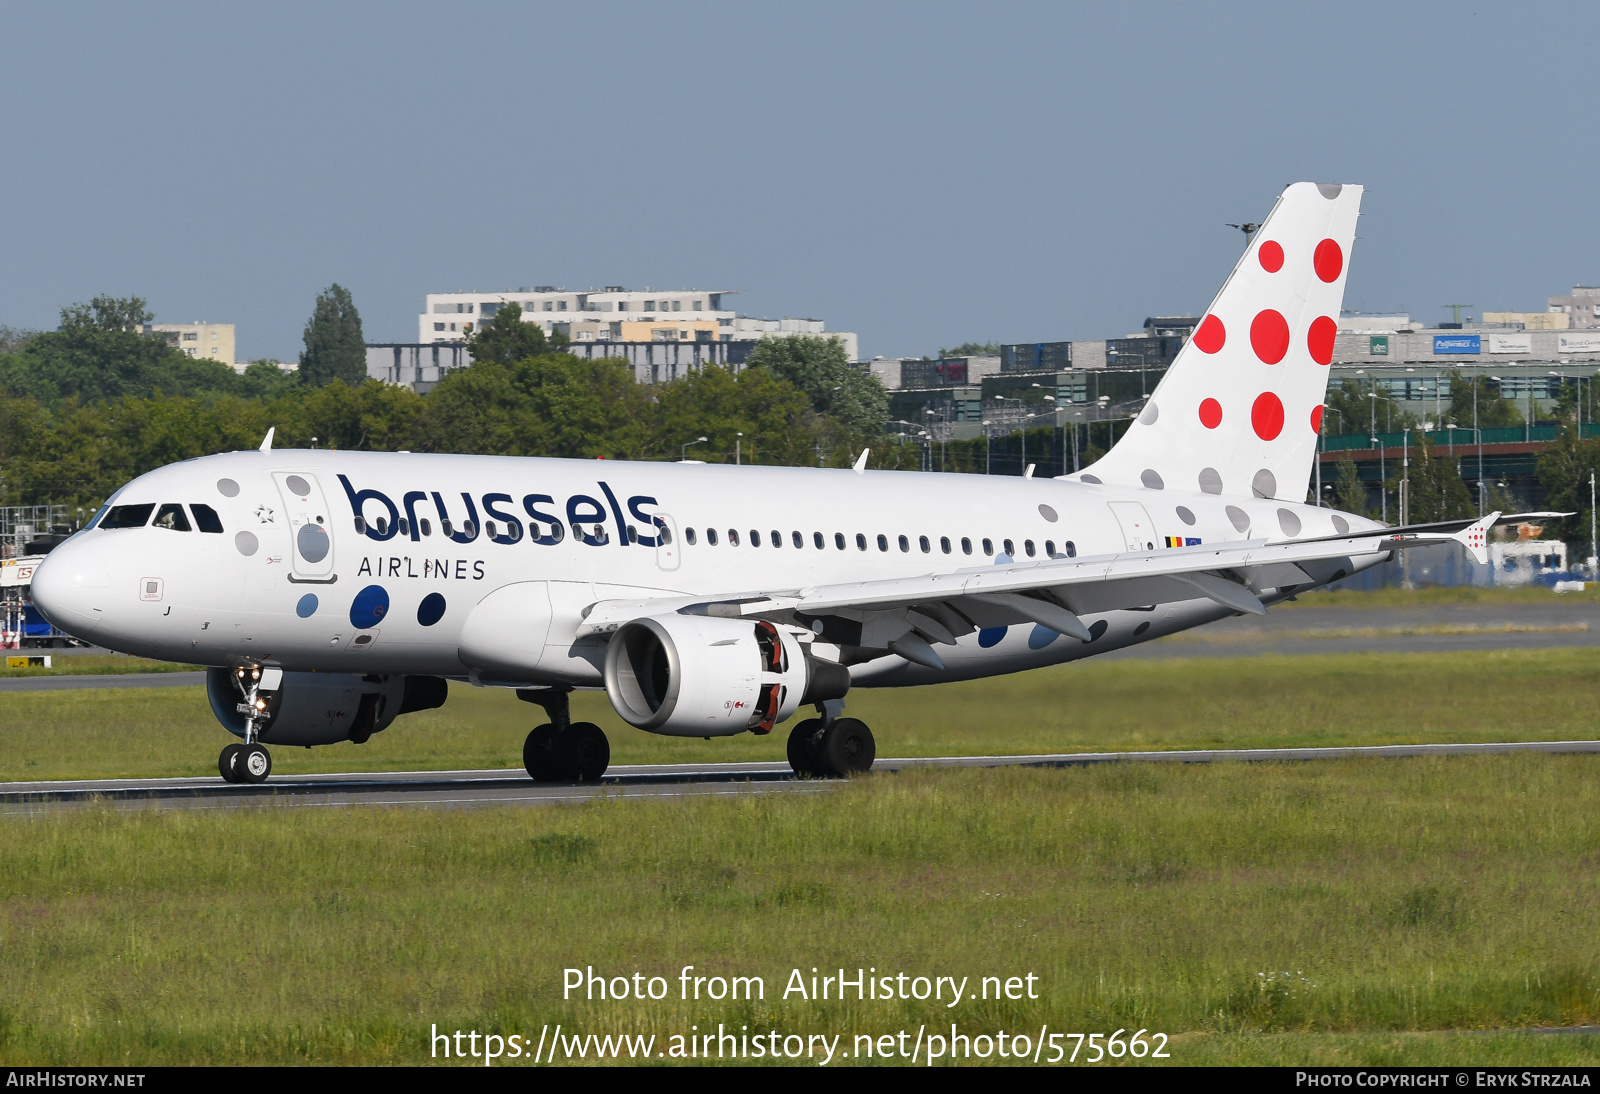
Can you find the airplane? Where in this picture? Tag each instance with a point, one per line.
(329, 593)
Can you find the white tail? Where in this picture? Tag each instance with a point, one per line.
(1239, 410)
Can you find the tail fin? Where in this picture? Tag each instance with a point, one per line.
(1239, 410)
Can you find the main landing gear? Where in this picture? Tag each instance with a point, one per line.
(249, 762)
(563, 750)
(831, 746)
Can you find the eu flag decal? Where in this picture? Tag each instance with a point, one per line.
(1183, 541)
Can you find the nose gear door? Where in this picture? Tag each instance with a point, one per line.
(310, 527)
(1138, 532)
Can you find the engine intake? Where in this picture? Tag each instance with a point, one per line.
(704, 676)
(321, 708)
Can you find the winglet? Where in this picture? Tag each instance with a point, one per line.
(1475, 538)
(266, 443)
(861, 461)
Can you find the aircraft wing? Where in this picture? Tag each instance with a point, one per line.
(907, 614)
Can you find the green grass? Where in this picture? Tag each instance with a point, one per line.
(1431, 595)
(1248, 702)
(87, 664)
(1410, 901)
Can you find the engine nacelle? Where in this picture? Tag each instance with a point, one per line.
(705, 676)
(322, 708)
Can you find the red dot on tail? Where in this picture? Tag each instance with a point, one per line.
(1210, 335)
(1210, 413)
(1269, 336)
(1319, 339)
(1328, 260)
(1266, 416)
(1271, 256)
(1316, 418)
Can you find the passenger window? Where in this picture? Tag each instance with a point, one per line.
(427, 526)
(171, 517)
(944, 544)
(1050, 548)
(383, 526)
(405, 527)
(733, 537)
(988, 547)
(816, 538)
(663, 533)
(1071, 548)
(1010, 550)
(205, 518)
(905, 544)
(688, 534)
(128, 516)
(777, 538)
(797, 539)
(838, 540)
(490, 528)
(922, 541)
(966, 545)
(883, 542)
(1027, 545)
(861, 542)
(755, 538)
(711, 536)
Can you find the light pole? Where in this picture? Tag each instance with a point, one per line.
(683, 449)
(738, 446)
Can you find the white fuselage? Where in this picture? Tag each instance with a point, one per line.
(392, 591)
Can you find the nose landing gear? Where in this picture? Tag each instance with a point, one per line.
(563, 750)
(249, 762)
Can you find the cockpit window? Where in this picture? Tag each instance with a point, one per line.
(127, 516)
(172, 517)
(206, 518)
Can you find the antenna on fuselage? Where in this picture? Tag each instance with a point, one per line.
(266, 442)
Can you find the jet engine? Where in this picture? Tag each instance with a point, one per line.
(322, 708)
(704, 676)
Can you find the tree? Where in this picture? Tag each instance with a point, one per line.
(1354, 409)
(101, 353)
(852, 397)
(107, 313)
(335, 348)
(1349, 493)
(1493, 411)
(1564, 470)
(505, 339)
(1436, 491)
(972, 349)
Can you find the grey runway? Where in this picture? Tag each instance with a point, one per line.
(1308, 629)
(457, 789)
(119, 680)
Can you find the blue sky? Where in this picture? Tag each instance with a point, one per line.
(920, 173)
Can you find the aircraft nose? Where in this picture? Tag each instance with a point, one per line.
(70, 587)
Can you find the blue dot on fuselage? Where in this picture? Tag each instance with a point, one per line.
(307, 606)
(431, 610)
(990, 636)
(1041, 637)
(369, 607)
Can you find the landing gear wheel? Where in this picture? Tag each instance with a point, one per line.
(253, 765)
(228, 763)
(803, 748)
(538, 754)
(847, 747)
(583, 751)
